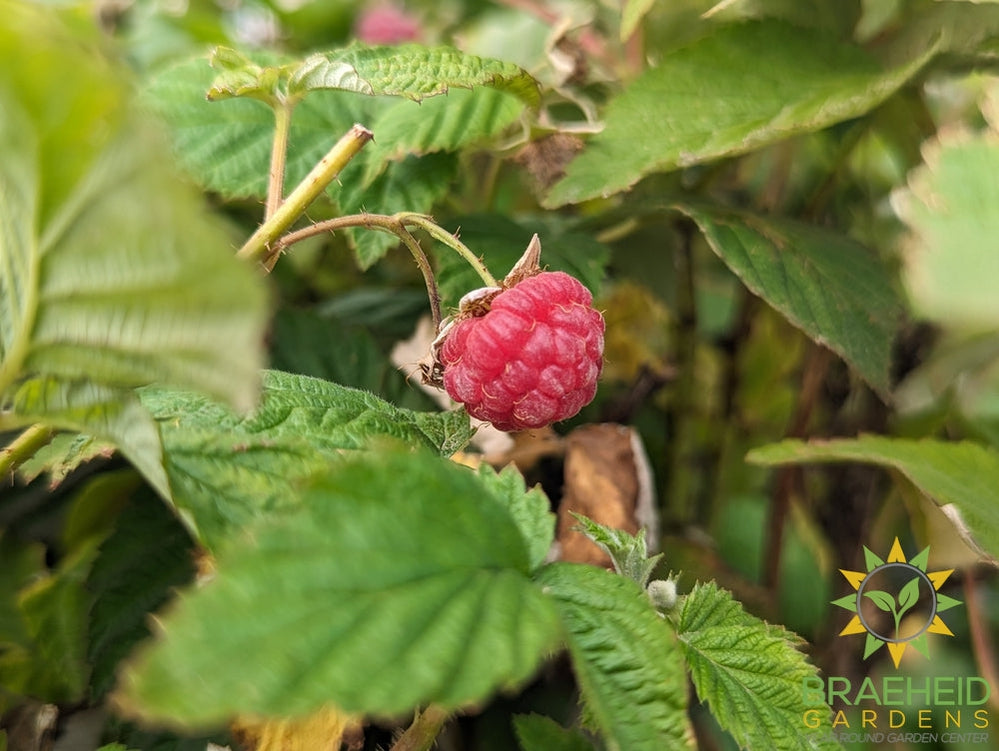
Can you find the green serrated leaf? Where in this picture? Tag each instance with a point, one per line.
(136, 570)
(127, 281)
(629, 553)
(833, 289)
(409, 70)
(750, 672)
(952, 209)
(226, 145)
(112, 274)
(461, 118)
(539, 733)
(23, 563)
(500, 242)
(51, 665)
(415, 184)
(109, 414)
(627, 662)
(62, 455)
(883, 600)
(699, 103)
(226, 469)
(964, 474)
(398, 582)
(530, 509)
(324, 346)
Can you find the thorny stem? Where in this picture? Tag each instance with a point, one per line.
(24, 447)
(279, 156)
(442, 235)
(394, 224)
(423, 731)
(258, 247)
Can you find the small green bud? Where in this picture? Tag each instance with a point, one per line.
(662, 592)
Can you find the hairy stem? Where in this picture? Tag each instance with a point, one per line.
(393, 224)
(258, 247)
(423, 731)
(24, 447)
(279, 157)
(442, 235)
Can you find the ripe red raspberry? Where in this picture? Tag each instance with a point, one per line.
(528, 356)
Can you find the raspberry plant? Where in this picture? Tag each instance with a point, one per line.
(227, 517)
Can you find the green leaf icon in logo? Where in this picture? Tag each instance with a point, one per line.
(882, 599)
(908, 596)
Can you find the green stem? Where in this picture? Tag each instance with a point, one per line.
(257, 248)
(423, 731)
(279, 155)
(442, 235)
(24, 447)
(392, 224)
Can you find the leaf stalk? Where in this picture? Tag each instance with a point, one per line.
(423, 732)
(279, 157)
(24, 447)
(258, 247)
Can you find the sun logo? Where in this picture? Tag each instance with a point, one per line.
(886, 592)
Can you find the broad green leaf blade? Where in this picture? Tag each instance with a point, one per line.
(833, 289)
(51, 665)
(749, 672)
(24, 563)
(500, 242)
(415, 184)
(627, 662)
(108, 414)
(952, 209)
(463, 117)
(138, 567)
(964, 474)
(400, 581)
(335, 350)
(409, 70)
(530, 509)
(113, 273)
(226, 145)
(128, 281)
(539, 733)
(742, 87)
(227, 469)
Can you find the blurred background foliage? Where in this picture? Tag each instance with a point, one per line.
(701, 367)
